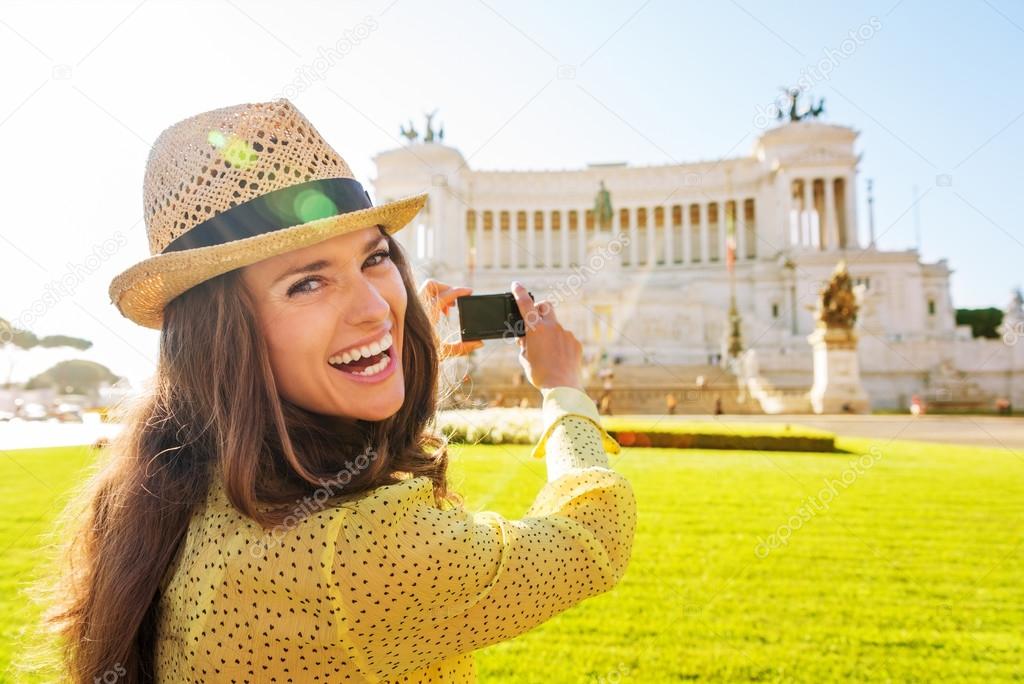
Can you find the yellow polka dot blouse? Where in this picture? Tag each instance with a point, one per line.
(389, 587)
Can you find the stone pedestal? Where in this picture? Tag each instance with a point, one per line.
(837, 387)
(604, 253)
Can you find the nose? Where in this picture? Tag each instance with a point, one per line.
(364, 305)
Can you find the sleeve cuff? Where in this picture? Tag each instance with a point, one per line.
(562, 401)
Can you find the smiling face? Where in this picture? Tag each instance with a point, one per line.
(316, 306)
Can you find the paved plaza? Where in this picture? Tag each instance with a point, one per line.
(987, 431)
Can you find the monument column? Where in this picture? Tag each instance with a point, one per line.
(850, 209)
(704, 253)
(740, 224)
(478, 240)
(669, 217)
(496, 234)
(652, 238)
(807, 223)
(581, 234)
(547, 238)
(632, 213)
(531, 241)
(723, 207)
(831, 222)
(563, 229)
(786, 183)
(687, 241)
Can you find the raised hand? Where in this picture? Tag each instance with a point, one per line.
(550, 355)
(438, 298)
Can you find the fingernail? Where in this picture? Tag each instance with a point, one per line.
(516, 285)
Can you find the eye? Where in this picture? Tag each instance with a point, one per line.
(299, 287)
(382, 253)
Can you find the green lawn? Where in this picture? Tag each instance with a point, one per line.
(907, 567)
(34, 485)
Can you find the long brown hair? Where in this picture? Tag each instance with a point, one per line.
(213, 401)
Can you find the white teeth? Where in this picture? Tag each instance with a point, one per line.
(372, 349)
(375, 368)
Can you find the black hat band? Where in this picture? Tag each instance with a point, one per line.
(277, 209)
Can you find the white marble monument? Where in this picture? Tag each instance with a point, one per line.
(657, 297)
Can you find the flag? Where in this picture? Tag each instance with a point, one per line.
(730, 242)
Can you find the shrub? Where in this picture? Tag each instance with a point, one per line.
(523, 426)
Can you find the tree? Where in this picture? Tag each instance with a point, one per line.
(983, 322)
(13, 338)
(76, 376)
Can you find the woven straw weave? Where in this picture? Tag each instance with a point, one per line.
(208, 163)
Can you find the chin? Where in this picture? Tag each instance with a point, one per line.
(382, 408)
(377, 415)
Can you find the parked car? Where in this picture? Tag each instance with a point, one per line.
(68, 413)
(34, 411)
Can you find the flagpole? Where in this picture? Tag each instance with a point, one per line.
(735, 347)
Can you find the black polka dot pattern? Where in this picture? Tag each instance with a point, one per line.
(391, 588)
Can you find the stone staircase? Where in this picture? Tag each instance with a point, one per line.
(634, 389)
(772, 400)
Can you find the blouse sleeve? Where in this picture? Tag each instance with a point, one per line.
(418, 583)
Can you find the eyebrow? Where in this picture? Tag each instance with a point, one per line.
(321, 264)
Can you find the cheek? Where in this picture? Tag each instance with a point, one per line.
(396, 295)
(294, 338)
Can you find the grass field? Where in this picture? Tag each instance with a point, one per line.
(896, 562)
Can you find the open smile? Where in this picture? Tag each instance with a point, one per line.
(372, 369)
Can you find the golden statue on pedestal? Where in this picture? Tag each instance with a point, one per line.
(837, 303)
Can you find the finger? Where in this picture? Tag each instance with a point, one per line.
(547, 310)
(446, 298)
(427, 294)
(430, 287)
(525, 303)
(453, 293)
(460, 348)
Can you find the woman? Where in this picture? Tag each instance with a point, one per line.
(276, 508)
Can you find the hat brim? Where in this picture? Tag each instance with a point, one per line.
(141, 292)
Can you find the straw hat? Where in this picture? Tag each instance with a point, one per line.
(229, 187)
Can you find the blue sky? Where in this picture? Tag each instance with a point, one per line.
(935, 90)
